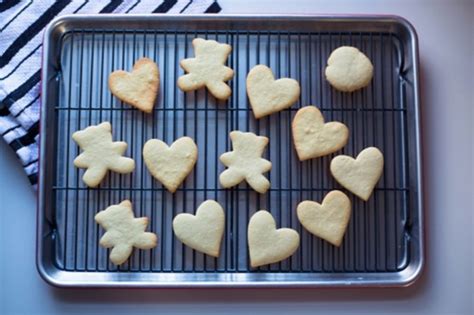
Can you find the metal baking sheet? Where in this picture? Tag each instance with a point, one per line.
(383, 245)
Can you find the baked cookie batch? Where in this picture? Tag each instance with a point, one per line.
(348, 69)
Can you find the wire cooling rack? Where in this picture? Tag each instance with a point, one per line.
(379, 235)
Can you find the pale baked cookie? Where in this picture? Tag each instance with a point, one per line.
(313, 137)
(327, 220)
(267, 244)
(138, 88)
(123, 231)
(203, 231)
(207, 69)
(349, 69)
(100, 153)
(170, 164)
(245, 162)
(267, 95)
(359, 175)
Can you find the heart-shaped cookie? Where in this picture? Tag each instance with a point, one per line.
(359, 175)
(203, 231)
(268, 245)
(327, 220)
(267, 95)
(170, 165)
(313, 137)
(138, 88)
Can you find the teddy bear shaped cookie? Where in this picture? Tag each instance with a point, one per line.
(207, 69)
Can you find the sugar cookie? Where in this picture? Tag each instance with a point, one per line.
(138, 88)
(327, 220)
(170, 164)
(349, 69)
(267, 95)
(207, 69)
(359, 175)
(123, 231)
(203, 231)
(100, 153)
(267, 244)
(313, 137)
(246, 162)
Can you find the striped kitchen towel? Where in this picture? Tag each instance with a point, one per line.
(21, 35)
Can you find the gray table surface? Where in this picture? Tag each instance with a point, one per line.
(445, 31)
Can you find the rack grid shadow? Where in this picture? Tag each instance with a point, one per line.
(378, 237)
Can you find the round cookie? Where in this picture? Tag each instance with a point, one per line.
(349, 69)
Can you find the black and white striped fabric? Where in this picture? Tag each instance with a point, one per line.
(21, 34)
